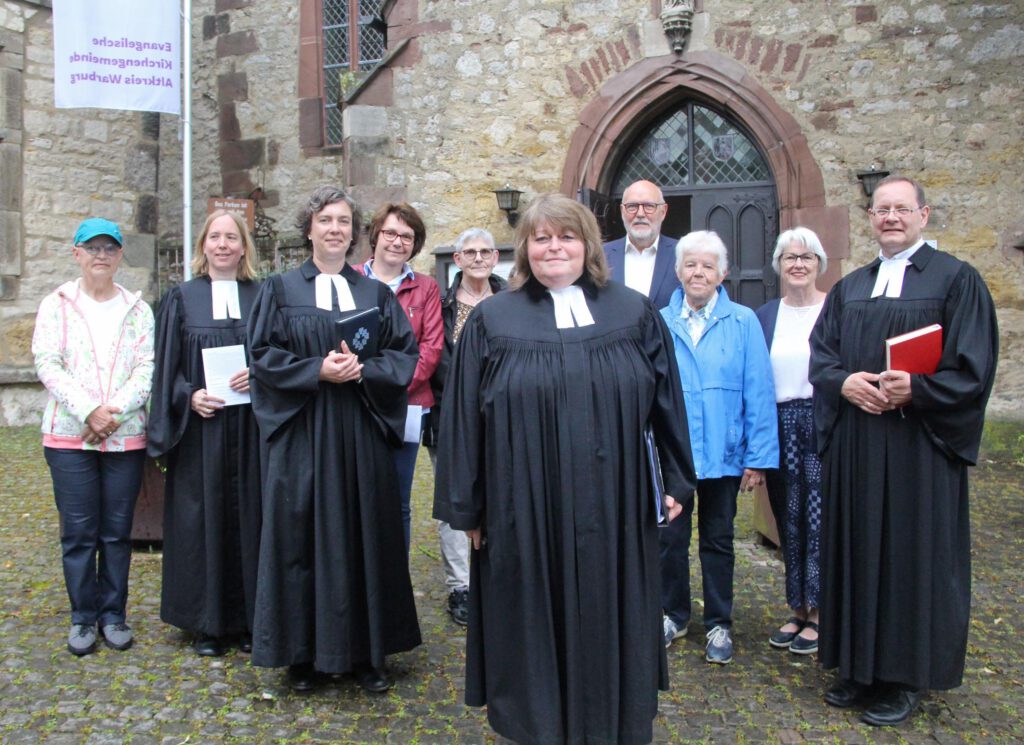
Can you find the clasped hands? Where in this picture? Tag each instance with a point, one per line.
(341, 367)
(874, 393)
(100, 424)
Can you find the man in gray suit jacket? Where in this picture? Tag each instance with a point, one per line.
(644, 259)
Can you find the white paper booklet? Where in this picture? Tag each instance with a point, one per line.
(219, 364)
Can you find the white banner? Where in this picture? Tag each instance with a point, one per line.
(117, 54)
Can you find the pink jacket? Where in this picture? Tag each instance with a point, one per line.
(66, 363)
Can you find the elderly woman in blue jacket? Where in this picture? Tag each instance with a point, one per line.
(730, 408)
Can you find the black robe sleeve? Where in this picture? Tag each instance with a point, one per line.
(459, 482)
(281, 381)
(952, 401)
(386, 375)
(826, 372)
(171, 398)
(668, 411)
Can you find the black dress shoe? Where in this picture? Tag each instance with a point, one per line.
(373, 680)
(302, 677)
(209, 646)
(245, 643)
(893, 706)
(847, 693)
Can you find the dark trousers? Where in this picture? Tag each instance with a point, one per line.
(716, 510)
(95, 495)
(405, 466)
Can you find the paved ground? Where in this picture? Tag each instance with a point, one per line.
(160, 692)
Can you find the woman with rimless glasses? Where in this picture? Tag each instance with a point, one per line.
(93, 347)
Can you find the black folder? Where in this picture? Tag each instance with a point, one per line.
(657, 482)
(360, 330)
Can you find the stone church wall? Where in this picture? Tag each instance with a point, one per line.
(488, 92)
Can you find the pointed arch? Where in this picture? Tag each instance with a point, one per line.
(630, 100)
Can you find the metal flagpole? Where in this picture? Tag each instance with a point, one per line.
(186, 144)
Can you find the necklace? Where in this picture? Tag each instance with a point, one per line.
(476, 298)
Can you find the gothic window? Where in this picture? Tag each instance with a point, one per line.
(354, 42)
(693, 145)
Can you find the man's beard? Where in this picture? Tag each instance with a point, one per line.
(641, 234)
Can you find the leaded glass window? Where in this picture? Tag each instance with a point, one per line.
(693, 145)
(354, 41)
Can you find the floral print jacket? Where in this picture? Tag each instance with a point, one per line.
(68, 365)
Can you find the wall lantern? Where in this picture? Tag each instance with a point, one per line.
(508, 201)
(869, 180)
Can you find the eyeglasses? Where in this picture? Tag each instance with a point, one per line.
(472, 253)
(95, 250)
(884, 212)
(648, 207)
(806, 259)
(390, 235)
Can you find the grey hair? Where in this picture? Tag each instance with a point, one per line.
(703, 240)
(806, 238)
(474, 234)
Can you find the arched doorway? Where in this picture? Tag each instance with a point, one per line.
(713, 177)
(632, 103)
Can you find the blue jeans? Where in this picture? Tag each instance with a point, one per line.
(715, 514)
(95, 495)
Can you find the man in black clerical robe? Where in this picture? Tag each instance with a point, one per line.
(333, 588)
(896, 570)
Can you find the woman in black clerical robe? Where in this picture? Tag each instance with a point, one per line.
(212, 495)
(541, 460)
(333, 593)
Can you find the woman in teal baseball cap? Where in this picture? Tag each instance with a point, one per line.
(93, 347)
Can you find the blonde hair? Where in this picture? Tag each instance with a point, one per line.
(246, 266)
(560, 212)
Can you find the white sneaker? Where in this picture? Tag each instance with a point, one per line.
(671, 631)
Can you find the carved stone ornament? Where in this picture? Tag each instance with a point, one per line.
(677, 20)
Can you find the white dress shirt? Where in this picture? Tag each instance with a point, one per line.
(639, 266)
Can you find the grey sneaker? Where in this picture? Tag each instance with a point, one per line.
(117, 636)
(82, 639)
(719, 649)
(671, 630)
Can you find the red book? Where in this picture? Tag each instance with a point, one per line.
(915, 351)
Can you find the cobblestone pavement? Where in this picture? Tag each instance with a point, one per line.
(160, 692)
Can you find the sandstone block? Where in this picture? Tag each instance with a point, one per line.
(140, 167)
(241, 154)
(10, 176)
(8, 288)
(233, 86)
(364, 121)
(10, 99)
(237, 44)
(16, 341)
(10, 242)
